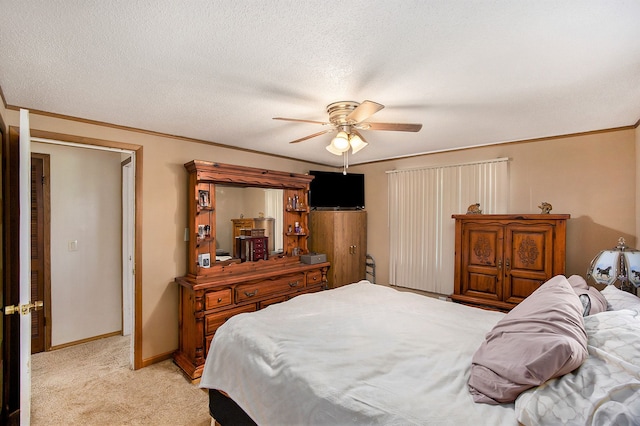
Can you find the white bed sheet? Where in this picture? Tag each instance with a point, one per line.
(358, 354)
(604, 390)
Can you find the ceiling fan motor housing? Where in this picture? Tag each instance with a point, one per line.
(339, 111)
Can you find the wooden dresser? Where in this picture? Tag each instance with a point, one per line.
(213, 291)
(205, 304)
(501, 259)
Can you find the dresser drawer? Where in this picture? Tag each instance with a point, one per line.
(213, 321)
(279, 299)
(265, 288)
(314, 278)
(217, 299)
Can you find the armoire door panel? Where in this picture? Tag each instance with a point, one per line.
(482, 261)
(520, 288)
(484, 244)
(529, 248)
(483, 285)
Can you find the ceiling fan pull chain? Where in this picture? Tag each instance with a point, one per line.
(345, 162)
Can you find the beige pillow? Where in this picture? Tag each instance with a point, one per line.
(541, 338)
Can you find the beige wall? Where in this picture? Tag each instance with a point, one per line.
(591, 177)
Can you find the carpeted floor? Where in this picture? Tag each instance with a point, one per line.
(91, 384)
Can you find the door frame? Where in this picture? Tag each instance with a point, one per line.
(137, 152)
(11, 363)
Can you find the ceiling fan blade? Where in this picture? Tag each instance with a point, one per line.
(363, 111)
(398, 127)
(301, 121)
(312, 136)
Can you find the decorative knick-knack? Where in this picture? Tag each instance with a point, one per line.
(545, 207)
(474, 209)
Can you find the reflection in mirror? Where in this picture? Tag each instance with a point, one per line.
(247, 208)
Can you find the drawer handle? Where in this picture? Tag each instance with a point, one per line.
(251, 293)
(294, 284)
(315, 278)
(219, 299)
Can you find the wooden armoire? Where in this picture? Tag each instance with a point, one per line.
(342, 236)
(502, 259)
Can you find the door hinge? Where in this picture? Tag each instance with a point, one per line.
(43, 179)
(23, 309)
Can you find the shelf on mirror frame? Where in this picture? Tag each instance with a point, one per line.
(203, 240)
(207, 209)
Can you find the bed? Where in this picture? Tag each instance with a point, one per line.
(370, 354)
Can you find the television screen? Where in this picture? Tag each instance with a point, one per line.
(336, 190)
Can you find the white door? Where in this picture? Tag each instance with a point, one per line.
(25, 267)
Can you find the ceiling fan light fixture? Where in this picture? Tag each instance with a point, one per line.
(332, 150)
(356, 143)
(341, 142)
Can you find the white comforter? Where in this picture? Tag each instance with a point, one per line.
(359, 354)
(604, 390)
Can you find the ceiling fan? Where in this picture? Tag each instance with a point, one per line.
(348, 118)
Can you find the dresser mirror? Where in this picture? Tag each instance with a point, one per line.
(248, 207)
(228, 201)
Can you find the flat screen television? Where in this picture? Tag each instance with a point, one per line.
(335, 190)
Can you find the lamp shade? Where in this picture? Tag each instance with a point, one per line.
(356, 143)
(332, 150)
(617, 264)
(341, 142)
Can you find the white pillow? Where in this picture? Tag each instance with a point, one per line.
(618, 299)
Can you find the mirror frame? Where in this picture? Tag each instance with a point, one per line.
(208, 174)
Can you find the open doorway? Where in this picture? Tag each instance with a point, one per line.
(126, 166)
(91, 297)
(14, 359)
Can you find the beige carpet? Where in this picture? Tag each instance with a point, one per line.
(91, 384)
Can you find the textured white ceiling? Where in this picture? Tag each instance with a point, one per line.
(472, 72)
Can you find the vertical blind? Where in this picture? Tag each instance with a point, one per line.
(421, 202)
